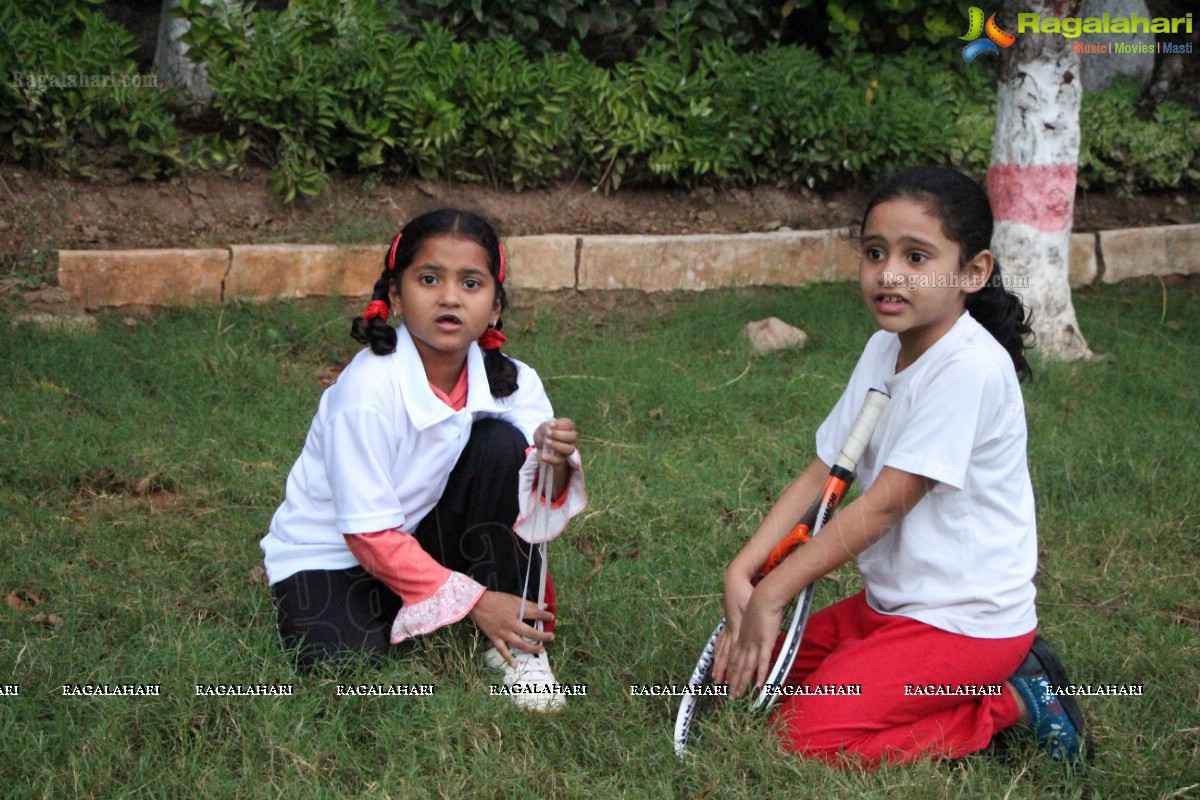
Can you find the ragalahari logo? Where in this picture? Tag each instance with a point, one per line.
(996, 38)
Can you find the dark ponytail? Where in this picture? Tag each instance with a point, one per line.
(961, 206)
(501, 373)
(1005, 317)
(372, 328)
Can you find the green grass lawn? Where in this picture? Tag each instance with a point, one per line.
(140, 464)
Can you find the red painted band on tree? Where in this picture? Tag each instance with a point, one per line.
(1039, 195)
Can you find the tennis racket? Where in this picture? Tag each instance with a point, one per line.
(841, 476)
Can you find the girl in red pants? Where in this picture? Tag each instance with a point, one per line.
(941, 644)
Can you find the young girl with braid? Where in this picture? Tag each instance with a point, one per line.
(944, 530)
(399, 514)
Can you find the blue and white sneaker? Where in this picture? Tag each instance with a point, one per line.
(1055, 720)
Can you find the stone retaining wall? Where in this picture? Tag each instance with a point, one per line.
(257, 273)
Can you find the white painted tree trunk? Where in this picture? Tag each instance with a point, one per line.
(1031, 182)
(171, 57)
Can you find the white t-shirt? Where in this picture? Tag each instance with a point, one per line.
(963, 559)
(379, 453)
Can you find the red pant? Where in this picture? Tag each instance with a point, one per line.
(850, 643)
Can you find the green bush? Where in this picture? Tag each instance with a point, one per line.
(335, 85)
(864, 116)
(615, 30)
(75, 100)
(683, 112)
(288, 84)
(520, 131)
(329, 85)
(610, 31)
(1120, 147)
(876, 26)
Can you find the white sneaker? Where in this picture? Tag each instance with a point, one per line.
(531, 682)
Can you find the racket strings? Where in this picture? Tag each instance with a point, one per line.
(540, 522)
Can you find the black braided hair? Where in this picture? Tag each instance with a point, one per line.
(375, 332)
(962, 207)
(381, 337)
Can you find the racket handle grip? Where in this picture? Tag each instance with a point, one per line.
(860, 432)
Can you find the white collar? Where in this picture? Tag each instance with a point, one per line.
(425, 408)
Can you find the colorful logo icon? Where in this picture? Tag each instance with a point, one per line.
(996, 38)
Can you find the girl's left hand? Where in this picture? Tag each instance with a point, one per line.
(738, 591)
(560, 436)
(750, 658)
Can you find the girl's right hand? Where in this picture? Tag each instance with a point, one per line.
(497, 614)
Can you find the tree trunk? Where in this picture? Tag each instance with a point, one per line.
(1031, 182)
(171, 59)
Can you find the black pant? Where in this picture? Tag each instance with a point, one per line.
(327, 614)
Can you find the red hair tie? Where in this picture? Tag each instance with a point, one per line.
(492, 339)
(376, 308)
(500, 275)
(391, 256)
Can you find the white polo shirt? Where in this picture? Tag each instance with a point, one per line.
(379, 453)
(963, 559)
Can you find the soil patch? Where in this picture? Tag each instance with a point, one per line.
(40, 214)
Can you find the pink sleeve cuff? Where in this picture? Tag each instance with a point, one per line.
(433, 595)
(450, 603)
(540, 521)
